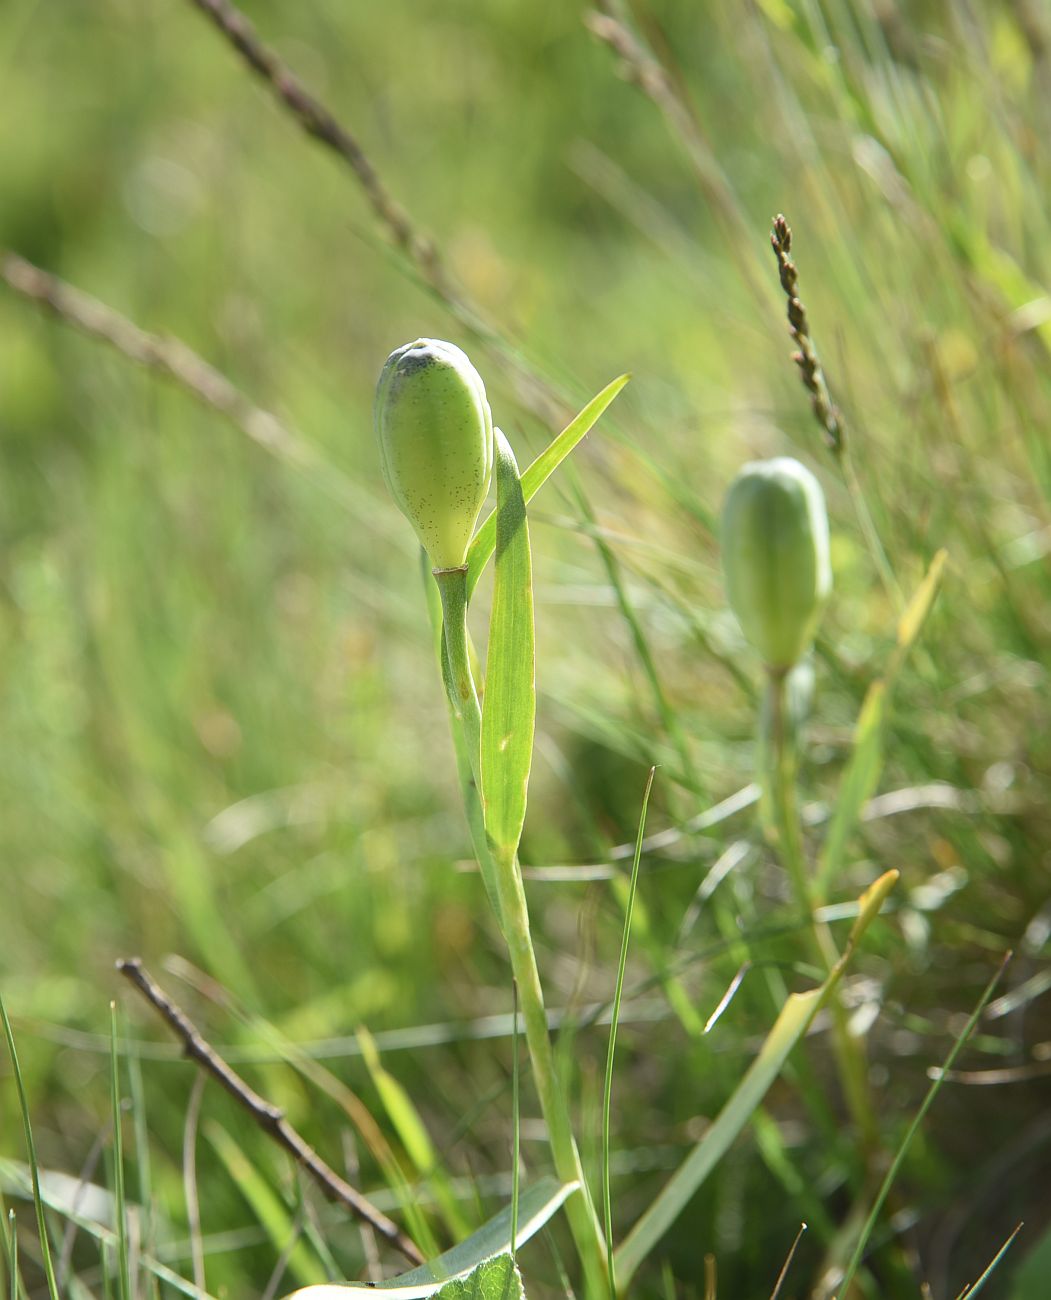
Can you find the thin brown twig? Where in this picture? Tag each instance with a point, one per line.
(639, 65)
(165, 354)
(175, 360)
(320, 123)
(269, 1118)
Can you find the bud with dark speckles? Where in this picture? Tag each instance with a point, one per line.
(435, 433)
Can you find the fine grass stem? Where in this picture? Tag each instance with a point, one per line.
(516, 1121)
(34, 1168)
(607, 1090)
(913, 1129)
(120, 1205)
(783, 771)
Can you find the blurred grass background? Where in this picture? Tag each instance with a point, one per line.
(223, 735)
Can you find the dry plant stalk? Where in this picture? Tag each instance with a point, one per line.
(269, 1118)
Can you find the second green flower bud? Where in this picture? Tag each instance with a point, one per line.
(775, 557)
(435, 434)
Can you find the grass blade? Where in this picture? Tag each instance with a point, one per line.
(19, 1179)
(607, 1092)
(516, 1120)
(795, 1018)
(968, 1293)
(865, 764)
(913, 1129)
(539, 472)
(120, 1206)
(38, 1201)
(509, 710)
(536, 1206)
(284, 1233)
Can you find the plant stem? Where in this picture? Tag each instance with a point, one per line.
(508, 896)
(781, 773)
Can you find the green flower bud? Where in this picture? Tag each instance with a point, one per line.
(775, 557)
(436, 444)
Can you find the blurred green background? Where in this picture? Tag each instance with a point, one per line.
(223, 736)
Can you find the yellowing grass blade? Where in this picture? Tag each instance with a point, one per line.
(796, 1016)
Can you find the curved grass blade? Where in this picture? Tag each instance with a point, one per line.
(969, 1292)
(124, 1267)
(509, 708)
(539, 472)
(60, 1193)
(38, 1201)
(796, 1016)
(535, 1207)
(913, 1129)
(285, 1234)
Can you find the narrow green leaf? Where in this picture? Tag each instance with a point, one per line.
(509, 707)
(795, 1018)
(789, 1027)
(268, 1208)
(858, 783)
(539, 472)
(969, 1292)
(411, 1130)
(27, 1128)
(913, 1129)
(398, 1105)
(70, 1198)
(607, 1091)
(124, 1266)
(535, 1207)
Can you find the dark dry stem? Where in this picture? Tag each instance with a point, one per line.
(421, 253)
(319, 123)
(173, 359)
(269, 1118)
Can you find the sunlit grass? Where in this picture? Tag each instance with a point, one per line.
(223, 731)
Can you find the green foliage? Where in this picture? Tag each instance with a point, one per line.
(479, 1260)
(223, 736)
(509, 715)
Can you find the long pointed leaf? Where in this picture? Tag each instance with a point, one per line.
(509, 708)
(539, 472)
(535, 1206)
